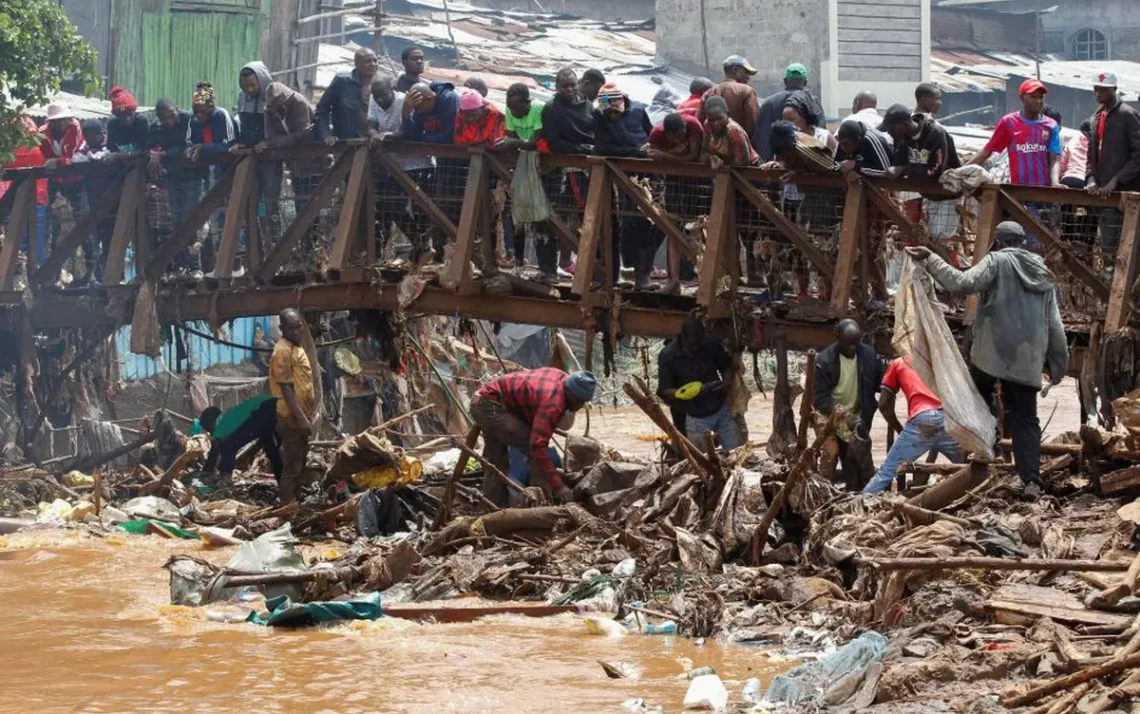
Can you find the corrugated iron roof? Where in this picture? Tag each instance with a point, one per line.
(507, 47)
(82, 107)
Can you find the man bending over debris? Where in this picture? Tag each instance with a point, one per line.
(693, 374)
(253, 420)
(1017, 334)
(847, 375)
(522, 409)
(925, 428)
(291, 382)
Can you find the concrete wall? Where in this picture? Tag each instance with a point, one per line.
(1118, 20)
(881, 45)
(93, 18)
(770, 33)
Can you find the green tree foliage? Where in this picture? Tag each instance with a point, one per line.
(39, 47)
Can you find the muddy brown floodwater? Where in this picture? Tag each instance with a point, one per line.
(87, 628)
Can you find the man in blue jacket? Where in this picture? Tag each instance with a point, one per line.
(342, 112)
(429, 116)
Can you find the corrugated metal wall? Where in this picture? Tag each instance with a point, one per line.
(200, 352)
(164, 47)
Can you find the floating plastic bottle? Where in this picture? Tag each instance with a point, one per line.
(665, 628)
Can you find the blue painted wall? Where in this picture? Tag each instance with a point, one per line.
(202, 353)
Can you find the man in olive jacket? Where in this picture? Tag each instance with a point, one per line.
(1017, 335)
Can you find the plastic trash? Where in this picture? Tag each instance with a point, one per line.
(640, 706)
(665, 628)
(625, 568)
(604, 627)
(272, 552)
(283, 612)
(78, 478)
(697, 672)
(751, 691)
(111, 516)
(154, 507)
(706, 692)
(808, 682)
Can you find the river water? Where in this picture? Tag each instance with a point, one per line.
(87, 628)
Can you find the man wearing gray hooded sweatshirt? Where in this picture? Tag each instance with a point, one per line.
(1017, 335)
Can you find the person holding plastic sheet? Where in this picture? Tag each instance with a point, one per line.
(1017, 335)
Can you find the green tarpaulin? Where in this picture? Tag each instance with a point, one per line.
(283, 612)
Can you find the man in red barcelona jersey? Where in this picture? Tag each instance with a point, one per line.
(1032, 139)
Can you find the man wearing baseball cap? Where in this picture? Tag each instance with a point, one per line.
(772, 109)
(743, 105)
(1032, 139)
(1114, 155)
(1017, 335)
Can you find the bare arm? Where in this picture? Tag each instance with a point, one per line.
(887, 409)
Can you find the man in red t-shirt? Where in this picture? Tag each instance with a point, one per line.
(925, 429)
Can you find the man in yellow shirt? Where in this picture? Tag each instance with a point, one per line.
(848, 374)
(291, 382)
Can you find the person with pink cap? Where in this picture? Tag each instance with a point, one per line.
(479, 122)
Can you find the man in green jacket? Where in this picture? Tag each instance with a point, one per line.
(1017, 335)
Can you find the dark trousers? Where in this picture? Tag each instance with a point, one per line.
(501, 429)
(261, 426)
(294, 452)
(1021, 423)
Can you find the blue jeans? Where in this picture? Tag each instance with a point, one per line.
(719, 422)
(924, 433)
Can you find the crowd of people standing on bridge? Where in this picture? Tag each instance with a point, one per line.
(721, 124)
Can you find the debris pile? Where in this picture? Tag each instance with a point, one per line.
(958, 591)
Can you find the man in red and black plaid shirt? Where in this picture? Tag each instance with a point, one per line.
(522, 409)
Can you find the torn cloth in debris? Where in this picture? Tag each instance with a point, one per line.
(834, 678)
(922, 333)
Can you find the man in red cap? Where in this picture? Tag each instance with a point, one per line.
(1032, 139)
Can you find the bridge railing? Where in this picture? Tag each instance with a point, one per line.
(250, 218)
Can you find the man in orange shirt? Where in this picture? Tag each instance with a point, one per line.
(925, 428)
(291, 383)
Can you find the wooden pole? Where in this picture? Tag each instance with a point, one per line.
(1044, 564)
(443, 515)
(803, 464)
(494, 470)
(1067, 682)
